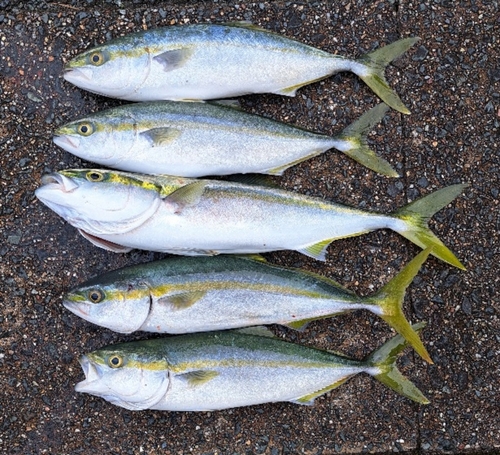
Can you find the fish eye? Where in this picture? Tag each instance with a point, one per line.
(115, 361)
(96, 58)
(96, 295)
(85, 129)
(93, 176)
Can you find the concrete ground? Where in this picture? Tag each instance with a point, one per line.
(449, 80)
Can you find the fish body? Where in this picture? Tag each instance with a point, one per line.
(219, 370)
(120, 211)
(213, 61)
(199, 139)
(183, 295)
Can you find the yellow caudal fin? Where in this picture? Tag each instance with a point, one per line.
(416, 215)
(386, 371)
(390, 300)
(372, 71)
(357, 147)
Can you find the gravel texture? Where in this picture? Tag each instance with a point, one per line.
(450, 81)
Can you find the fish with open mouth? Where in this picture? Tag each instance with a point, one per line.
(186, 294)
(219, 370)
(121, 211)
(199, 139)
(214, 61)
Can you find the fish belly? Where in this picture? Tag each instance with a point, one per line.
(245, 386)
(232, 308)
(223, 223)
(243, 69)
(198, 153)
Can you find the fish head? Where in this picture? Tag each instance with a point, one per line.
(99, 201)
(121, 304)
(117, 69)
(102, 138)
(126, 375)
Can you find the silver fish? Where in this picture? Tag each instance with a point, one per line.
(220, 370)
(183, 295)
(212, 61)
(121, 211)
(198, 139)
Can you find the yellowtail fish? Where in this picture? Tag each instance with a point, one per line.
(199, 139)
(220, 370)
(183, 295)
(213, 61)
(119, 211)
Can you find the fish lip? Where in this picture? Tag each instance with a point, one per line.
(92, 374)
(75, 308)
(77, 74)
(59, 182)
(66, 141)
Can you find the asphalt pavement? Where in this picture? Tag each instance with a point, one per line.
(450, 82)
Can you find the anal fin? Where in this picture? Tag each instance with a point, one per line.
(308, 400)
(316, 250)
(290, 91)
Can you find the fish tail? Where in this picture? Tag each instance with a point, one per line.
(383, 360)
(390, 299)
(416, 216)
(373, 67)
(354, 136)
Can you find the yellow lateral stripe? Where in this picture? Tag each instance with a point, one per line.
(165, 290)
(231, 363)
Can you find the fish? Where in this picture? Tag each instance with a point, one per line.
(200, 139)
(120, 211)
(215, 61)
(186, 294)
(220, 370)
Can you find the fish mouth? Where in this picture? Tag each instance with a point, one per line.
(92, 376)
(66, 141)
(75, 308)
(58, 182)
(77, 74)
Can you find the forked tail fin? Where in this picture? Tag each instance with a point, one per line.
(356, 147)
(390, 300)
(384, 361)
(373, 67)
(416, 215)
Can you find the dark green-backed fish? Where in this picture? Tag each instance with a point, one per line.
(183, 295)
(219, 370)
(198, 139)
(213, 61)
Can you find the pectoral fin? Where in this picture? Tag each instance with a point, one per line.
(186, 196)
(183, 300)
(199, 377)
(173, 59)
(105, 244)
(161, 136)
(308, 400)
